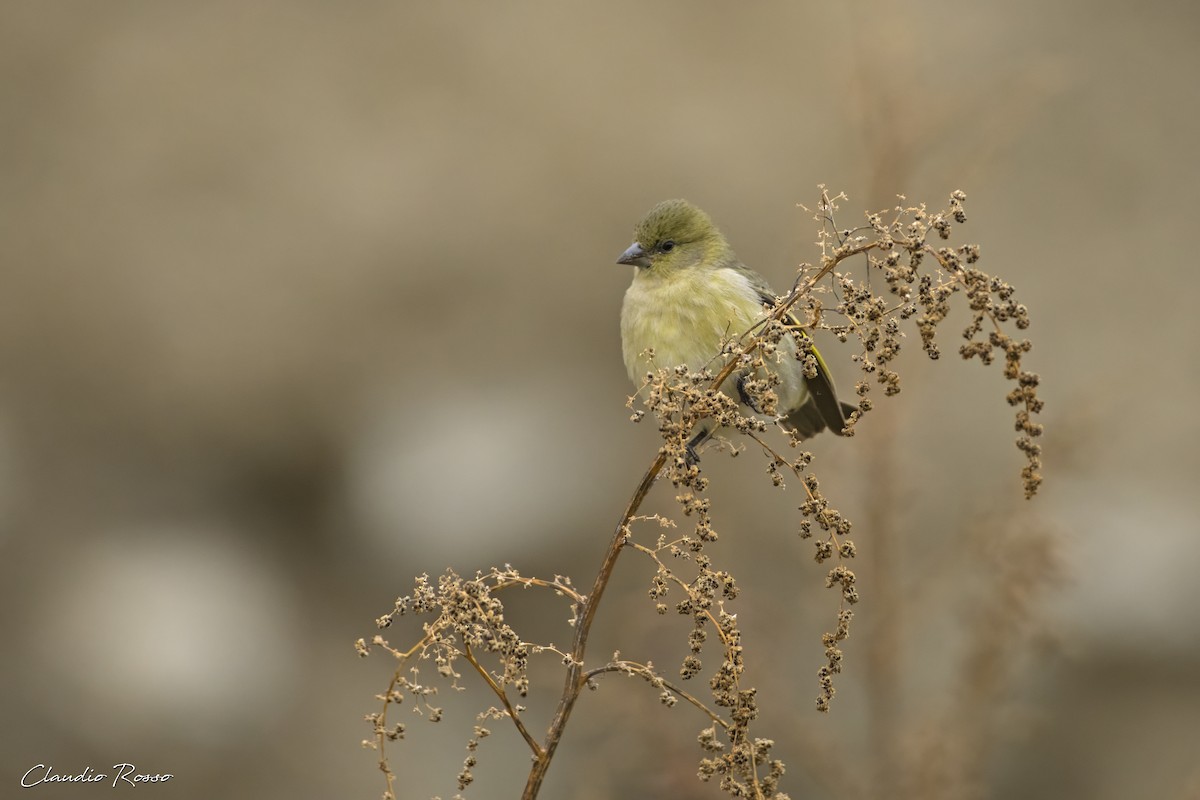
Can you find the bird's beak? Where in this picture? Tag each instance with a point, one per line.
(635, 255)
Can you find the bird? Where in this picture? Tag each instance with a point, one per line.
(689, 293)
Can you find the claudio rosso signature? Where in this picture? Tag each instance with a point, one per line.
(121, 774)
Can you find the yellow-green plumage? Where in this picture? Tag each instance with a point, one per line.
(690, 292)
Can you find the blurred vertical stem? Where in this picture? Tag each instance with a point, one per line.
(883, 646)
(576, 680)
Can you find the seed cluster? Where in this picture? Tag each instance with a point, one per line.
(465, 622)
(921, 283)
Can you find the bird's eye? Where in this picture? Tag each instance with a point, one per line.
(667, 246)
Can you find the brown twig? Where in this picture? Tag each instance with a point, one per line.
(495, 687)
(643, 672)
(381, 722)
(576, 679)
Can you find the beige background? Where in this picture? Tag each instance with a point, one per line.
(298, 300)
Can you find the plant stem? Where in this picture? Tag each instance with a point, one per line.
(576, 679)
(495, 687)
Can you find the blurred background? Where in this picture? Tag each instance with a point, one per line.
(299, 300)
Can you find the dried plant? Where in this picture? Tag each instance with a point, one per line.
(908, 279)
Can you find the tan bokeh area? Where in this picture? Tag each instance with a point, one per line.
(301, 300)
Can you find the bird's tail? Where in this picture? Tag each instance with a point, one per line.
(808, 420)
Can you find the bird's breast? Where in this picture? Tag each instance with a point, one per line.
(684, 318)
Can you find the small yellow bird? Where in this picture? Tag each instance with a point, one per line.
(689, 293)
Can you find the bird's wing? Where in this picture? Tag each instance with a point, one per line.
(824, 396)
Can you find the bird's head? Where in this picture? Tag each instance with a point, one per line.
(673, 236)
